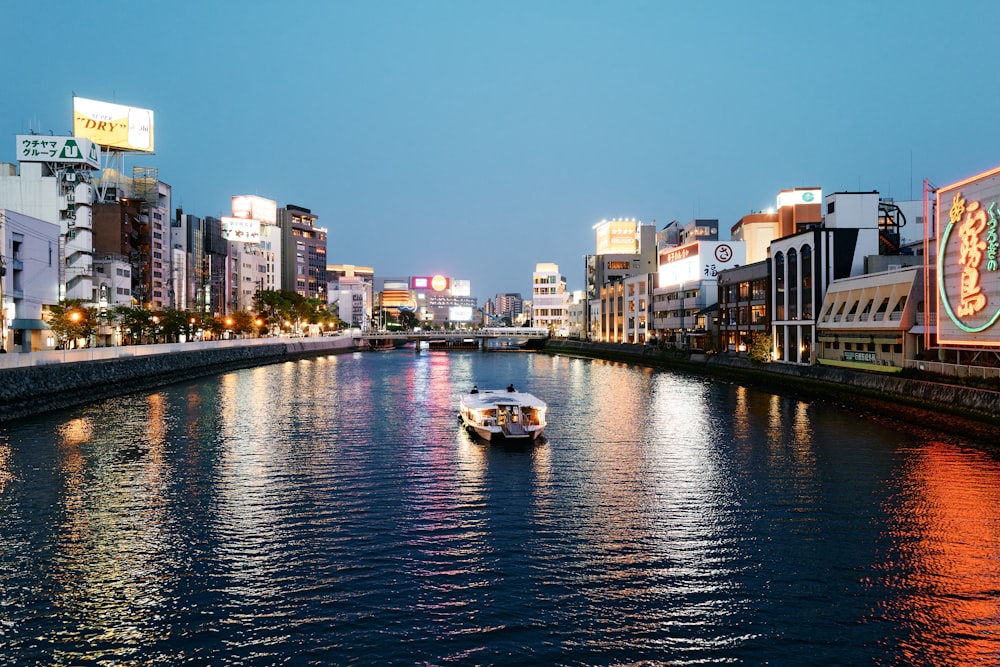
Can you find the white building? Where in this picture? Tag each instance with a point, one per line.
(55, 185)
(549, 299)
(688, 288)
(29, 281)
(805, 263)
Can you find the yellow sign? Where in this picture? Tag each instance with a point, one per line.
(113, 126)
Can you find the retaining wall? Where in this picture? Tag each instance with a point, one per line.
(854, 386)
(32, 390)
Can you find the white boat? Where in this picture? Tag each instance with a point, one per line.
(503, 414)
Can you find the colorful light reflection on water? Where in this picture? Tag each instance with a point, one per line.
(331, 511)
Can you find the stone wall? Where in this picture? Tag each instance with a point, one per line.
(33, 390)
(863, 389)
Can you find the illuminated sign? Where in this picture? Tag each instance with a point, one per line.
(699, 261)
(616, 237)
(112, 125)
(241, 229)
(677, 254)
(796, 197)
(461, 288)
(460, 313)
(436, 283)
(619, 266)
(73, 150)
(968, 261)
(255, 208)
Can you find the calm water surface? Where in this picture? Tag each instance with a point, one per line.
(331, 511)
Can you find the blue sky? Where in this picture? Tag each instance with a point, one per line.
(475, 138)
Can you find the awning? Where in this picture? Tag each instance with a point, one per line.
(28, 324)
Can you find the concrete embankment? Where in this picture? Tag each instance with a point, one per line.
(939, 406)
(32, 390)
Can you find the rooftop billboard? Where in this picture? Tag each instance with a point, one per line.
(699, 261)
(113, 126)
(617, 237)
(73, 150)
(967, 255)
(255, 208)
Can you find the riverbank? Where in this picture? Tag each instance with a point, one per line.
(32, 390)
(947, 408)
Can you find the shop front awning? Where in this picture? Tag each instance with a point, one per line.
(29, 324)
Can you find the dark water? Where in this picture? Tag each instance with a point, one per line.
(331, 511)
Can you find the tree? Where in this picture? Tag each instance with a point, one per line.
(73, 323)
(759, 350)
(136, 323)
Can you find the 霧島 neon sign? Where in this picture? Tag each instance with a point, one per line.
(975, 229)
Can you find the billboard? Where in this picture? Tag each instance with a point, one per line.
(437, 283)
(73, 150)
(967, 255)
(796, 197)
(460, 314)
(255, 208)
(616, 237)
(698, 261)
(112, 125)
(461, 288)
(241, 229)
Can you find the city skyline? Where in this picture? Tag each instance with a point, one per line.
(477, 140)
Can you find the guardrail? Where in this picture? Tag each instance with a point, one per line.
(954, 370)
(41, 358)
(495, 332)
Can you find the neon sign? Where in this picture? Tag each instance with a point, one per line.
(968, 270)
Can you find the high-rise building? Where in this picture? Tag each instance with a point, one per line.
(303, 252)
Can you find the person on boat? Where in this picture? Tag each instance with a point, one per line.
(510, 387)
(475, 389)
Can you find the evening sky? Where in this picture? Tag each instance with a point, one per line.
(475, 138)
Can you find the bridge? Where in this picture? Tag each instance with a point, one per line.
(505, 336)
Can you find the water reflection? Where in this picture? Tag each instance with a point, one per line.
(943, 560)
(333, 510)
(109, 548)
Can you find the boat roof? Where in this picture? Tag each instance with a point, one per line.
(486, 398)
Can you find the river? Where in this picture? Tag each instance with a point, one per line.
(332, 511)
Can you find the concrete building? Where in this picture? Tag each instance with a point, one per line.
(744, 305)
(686, 294)
(549, 299)
(29, 281)
(867, 322)
(55, 184)
(350, 291)
(624, 248)
(805, 263)
(303, 252)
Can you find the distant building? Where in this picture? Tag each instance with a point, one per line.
(508, 306)
(434, 300)
(351, 292)
(548, 298)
